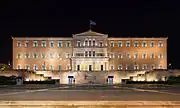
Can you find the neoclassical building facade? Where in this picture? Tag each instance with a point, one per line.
(89, 51)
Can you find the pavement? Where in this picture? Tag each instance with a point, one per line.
(135, 92)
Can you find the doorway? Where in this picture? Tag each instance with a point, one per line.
(90, 67)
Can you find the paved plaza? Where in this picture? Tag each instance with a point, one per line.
(91, 93)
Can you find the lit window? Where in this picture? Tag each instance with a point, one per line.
(120, 44)
(51, 44)
(26, 44)
(112, 67)
(35, 55)
(136, 67)
(128, 55)
(59, 44)
(68, 44)
(135, 55)
(112, 44)
(151, 44)
(152, 55)
(35, 44)
(160, 55)
(144, 44)
(160, 44)
(43, 55)
(18, 43)
(43, 44)
(120, 67)
(128, 44)
(135, 44)
(144, 55)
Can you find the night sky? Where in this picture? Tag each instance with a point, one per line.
(136, 18)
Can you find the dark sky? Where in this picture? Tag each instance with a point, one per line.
(136, 18)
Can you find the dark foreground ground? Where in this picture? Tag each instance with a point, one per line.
(91, 93)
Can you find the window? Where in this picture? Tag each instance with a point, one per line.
(35, 44)
(128, 44)
(120, 56)
(51, 55)
(89, 42)
(120, 67)
(144, 44)
(100, 44)
(127, 67)
(128, 55)
(67, 55)
(152, 66)
(43, 67)
(67, 67)
(19, 55)
(51, 67)
(144, 67)
(43, 44)
(144, 55)
(136, 67)
(18, 43)
(112, 44)
(26, 44)
(89, 53)
(51, 44)
(160, 66)
(68, 44)
(43, 55)
(152, 55)
(136, 44)
(160, 44)
(35, 67)
(94, 42)
(94, 53)
(27, 55)
(120, 44)
(27, 67)
(19, 66)
(59, 55)
(112, 67)
(160, 55)
(135, 55)
(78, 67)
(86, 43)
(101, 67)
(59, 67)
(111, 55)
(86, 53)
(151, 44)
(59, 44)
(35, 55)
(78, 43)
